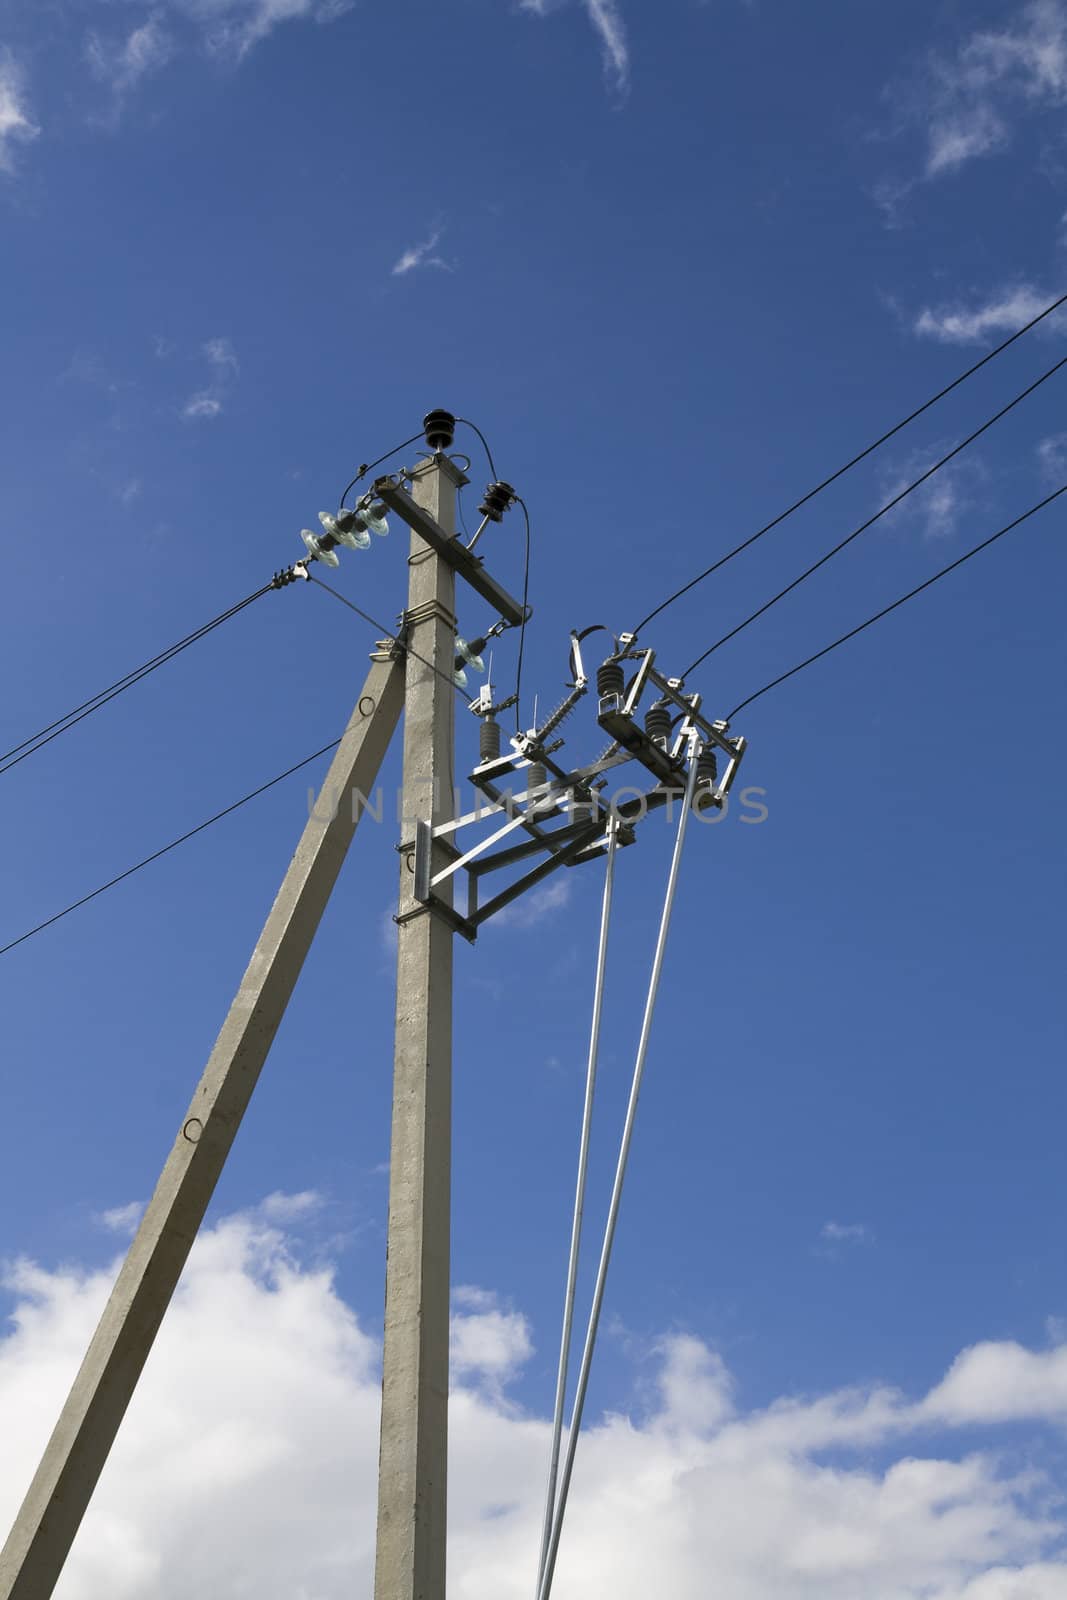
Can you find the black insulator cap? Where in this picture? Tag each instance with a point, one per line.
(498, 497)
(440, 429)
(345, 520)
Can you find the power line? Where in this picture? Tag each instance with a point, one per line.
(467, 423)
(871, 448)
(174, 843)
(237, 804)
(878, 615)
(367, 466)
(28, 747)
(391, 637)
(890, 504)
(522, 625)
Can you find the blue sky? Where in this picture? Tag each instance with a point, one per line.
(678, 262)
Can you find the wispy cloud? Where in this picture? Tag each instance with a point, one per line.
(122, 63)
(995, 73)
(16, 123)
(233, 27)
(940, 502)
(845, 1233)
(221, 355)
(1003, 312)
(958, 137)
(201, 405)
(422, 255)
(121, 1219)
(207, 402)
(607, 21)
(281, 1208)
(968, 102)
(536, 905)
(1052, 457)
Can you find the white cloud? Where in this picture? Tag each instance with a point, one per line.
(959, 136)
(967, 103)
(280, 1208)
(610, 28)
(845, 1233)
(487, 1342)
(122, 64)
(940, 502)
(204, 404)
(607, 20)
(222, 360)
(422, 255)
(221, 355)
(996, 71)
(121, 1219)
(1002, 1382)
(1004, 312)
(15, 120)
(233, 27)
(1052, 457)
(247, 1462)
(536, 904)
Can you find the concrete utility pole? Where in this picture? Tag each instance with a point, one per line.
(51, 1514)
(418, 672)
(412, 1499)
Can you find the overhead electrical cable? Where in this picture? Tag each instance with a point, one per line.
(368, 466)
(390, 637)
(237, 804)
(173, 845)
(28, 747)
(467, 423)
(881, 512)
(522, 625)
(855, 461)
(904, 598)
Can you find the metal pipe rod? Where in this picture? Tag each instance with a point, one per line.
(547, 1574)
(479, 530)
(579, 1195)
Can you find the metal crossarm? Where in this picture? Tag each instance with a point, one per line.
(449, 548)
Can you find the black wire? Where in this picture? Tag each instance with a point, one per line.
(228, 810)
(826, 482)
(837, 548)
(522, 625)
(467, 423)
(903, 599)
(369, 465)
(444, 676)
(172, 846)
(28, 747)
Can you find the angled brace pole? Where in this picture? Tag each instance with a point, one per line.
(51, 1514)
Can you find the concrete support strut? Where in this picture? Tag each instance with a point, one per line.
(46, 1525)
(412, 1498)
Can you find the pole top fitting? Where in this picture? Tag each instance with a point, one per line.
(439, 428)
